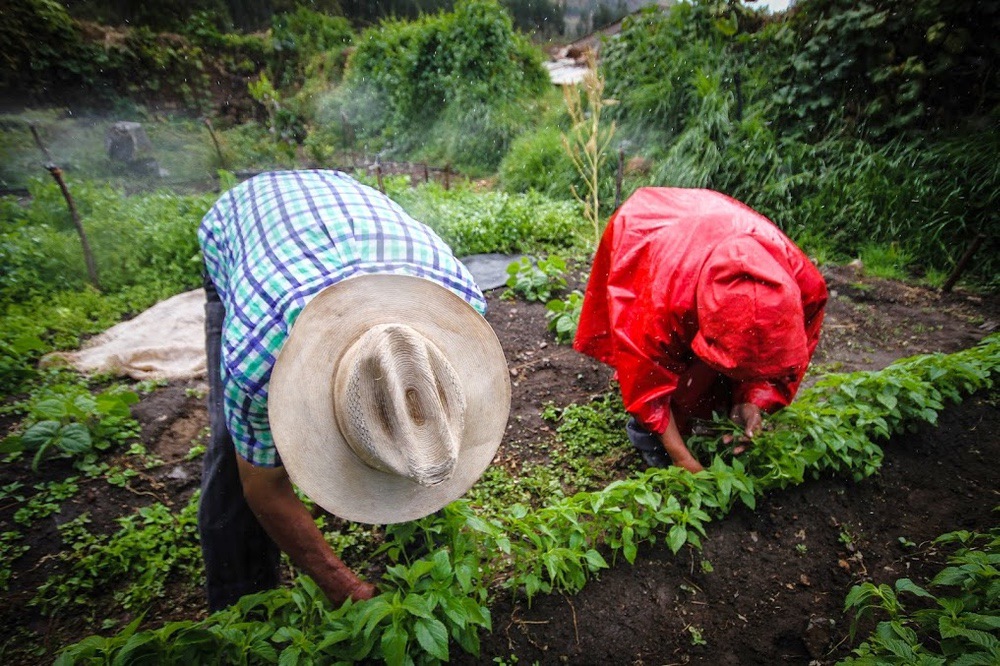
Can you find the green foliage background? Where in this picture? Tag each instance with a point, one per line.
(845, 123)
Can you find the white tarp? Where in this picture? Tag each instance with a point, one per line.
(167, 341)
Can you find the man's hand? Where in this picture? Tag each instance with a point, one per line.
(674, 445)
(747, 415)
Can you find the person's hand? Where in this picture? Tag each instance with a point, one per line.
(689, 462)
(747, 415)
(675, 447)
(363, 591)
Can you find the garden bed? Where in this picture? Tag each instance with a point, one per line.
(748, 597)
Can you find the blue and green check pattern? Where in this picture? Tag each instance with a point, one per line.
(275, 241)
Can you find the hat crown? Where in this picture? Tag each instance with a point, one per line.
(399, 404)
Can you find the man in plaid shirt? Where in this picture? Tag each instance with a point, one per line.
(270, 245)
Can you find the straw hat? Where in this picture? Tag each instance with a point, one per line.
(389, 398)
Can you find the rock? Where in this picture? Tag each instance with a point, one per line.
(818, 635)
(127, 142)
(179, 474)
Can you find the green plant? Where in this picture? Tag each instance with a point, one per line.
(474, 222)
(46, 501)
(696, 636)
(961, 622)
(150, 548)
(558, 546)
(10, 550)
(564, 316)
(68, 419)
(535, 279)
(284, 124)
(466, 64)
(587, 141)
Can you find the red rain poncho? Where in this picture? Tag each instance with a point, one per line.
(699, 302)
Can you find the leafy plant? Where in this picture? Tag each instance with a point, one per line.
(68, 419)
(959, 627)
(564, 316)
(535, 279)
(560, 545)
(149, 548)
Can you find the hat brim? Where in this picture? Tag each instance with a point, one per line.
(315, 454)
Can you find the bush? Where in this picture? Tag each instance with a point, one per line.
(483, 222)
(539, 161)
(467, 66)
(300, 38)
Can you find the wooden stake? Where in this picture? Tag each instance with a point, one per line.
(963, 263)
(218, 150)
(56, 173)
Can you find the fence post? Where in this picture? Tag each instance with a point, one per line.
(963, 262)
(215, 140)
(56, 172)
(447, 176)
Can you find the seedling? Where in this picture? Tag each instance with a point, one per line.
(564, 316)
(696, 637)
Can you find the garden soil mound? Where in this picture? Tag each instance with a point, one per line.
(768, 586)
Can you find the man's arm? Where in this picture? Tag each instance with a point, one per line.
(270, 495)
(674, 445)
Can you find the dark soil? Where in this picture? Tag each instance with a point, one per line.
(768, 586)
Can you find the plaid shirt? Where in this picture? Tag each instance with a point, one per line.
(276, 240)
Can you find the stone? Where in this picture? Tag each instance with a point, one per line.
(126, 142)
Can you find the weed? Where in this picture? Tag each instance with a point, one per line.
(696, 637)
(535, 279)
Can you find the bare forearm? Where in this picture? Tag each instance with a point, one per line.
(287, 521)
(294, 530)
(675, 447)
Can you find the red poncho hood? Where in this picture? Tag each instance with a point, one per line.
(685, 274)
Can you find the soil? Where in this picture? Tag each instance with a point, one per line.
(768, 585)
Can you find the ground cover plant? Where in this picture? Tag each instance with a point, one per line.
(960, 626)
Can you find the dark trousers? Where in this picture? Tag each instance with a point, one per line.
(240, 558)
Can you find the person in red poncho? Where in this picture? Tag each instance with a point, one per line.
(701, 305)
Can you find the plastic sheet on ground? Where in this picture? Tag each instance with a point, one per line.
(489, 270)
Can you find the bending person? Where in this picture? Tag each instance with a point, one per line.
(701, 305)
(347, 354)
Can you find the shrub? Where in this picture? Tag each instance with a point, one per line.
(459, 63)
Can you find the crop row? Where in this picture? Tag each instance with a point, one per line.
(429, 604)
